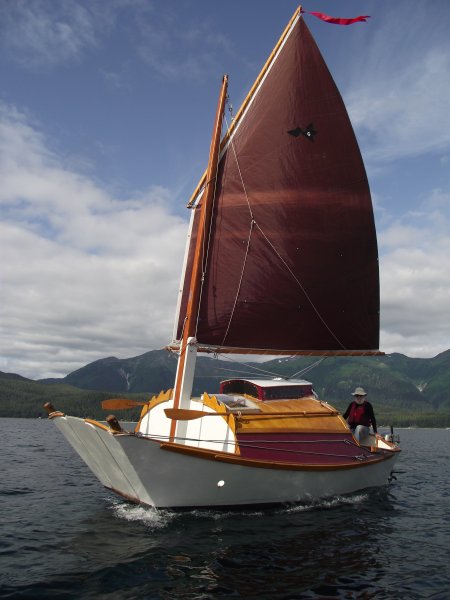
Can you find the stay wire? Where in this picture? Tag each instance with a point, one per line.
(252, 223)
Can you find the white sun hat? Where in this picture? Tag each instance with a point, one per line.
(359, 391)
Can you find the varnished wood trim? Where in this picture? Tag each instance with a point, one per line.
(285, 415)
(294, 429)
(55, 414)
(97, 424)
(51, 411)
(106, 428)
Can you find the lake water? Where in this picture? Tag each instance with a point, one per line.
(64, 536)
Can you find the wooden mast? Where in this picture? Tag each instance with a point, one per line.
(197, 268)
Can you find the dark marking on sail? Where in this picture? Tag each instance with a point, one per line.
(309, 132)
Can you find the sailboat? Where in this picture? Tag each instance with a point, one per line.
(281, 259)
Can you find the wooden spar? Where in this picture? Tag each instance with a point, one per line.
(121, 403)
(246, 101)
(180, 414)
(203, 231)
(272, 352)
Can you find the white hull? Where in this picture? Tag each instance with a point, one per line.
(145, 471)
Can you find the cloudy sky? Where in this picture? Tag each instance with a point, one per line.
(106, 109)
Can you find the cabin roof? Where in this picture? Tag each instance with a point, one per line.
(267, 383)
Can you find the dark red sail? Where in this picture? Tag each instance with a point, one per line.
(292, 259)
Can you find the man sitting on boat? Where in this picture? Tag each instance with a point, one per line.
(360, 415)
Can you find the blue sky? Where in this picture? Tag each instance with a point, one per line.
(106, 109)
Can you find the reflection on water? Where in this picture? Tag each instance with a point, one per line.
(79, 541)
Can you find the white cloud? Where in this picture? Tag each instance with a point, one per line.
(398, 100)
(39, 35)
(400, 93)
(44, 34)
(84, 275)
(415, 280)
(178, 48)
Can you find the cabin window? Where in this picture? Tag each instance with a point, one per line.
(287, 392)
(279, 392)
(239, 387)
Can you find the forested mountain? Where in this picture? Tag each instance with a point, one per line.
(405, 390)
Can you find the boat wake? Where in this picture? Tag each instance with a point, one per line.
(152, 518)
(334, 502)
(155, 518)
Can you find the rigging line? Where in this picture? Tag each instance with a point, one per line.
(252, 224)
(240, 172)
(301, 287)
(156, 436)
(227, 371)
(247, 249)
(249, 366)
(182, 330)
(308, 368)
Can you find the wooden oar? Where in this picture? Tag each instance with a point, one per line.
(184, 414)
(120, 403)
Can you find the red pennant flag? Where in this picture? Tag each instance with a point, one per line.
(337, 20)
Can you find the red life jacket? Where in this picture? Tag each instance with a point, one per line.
(358, 415)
